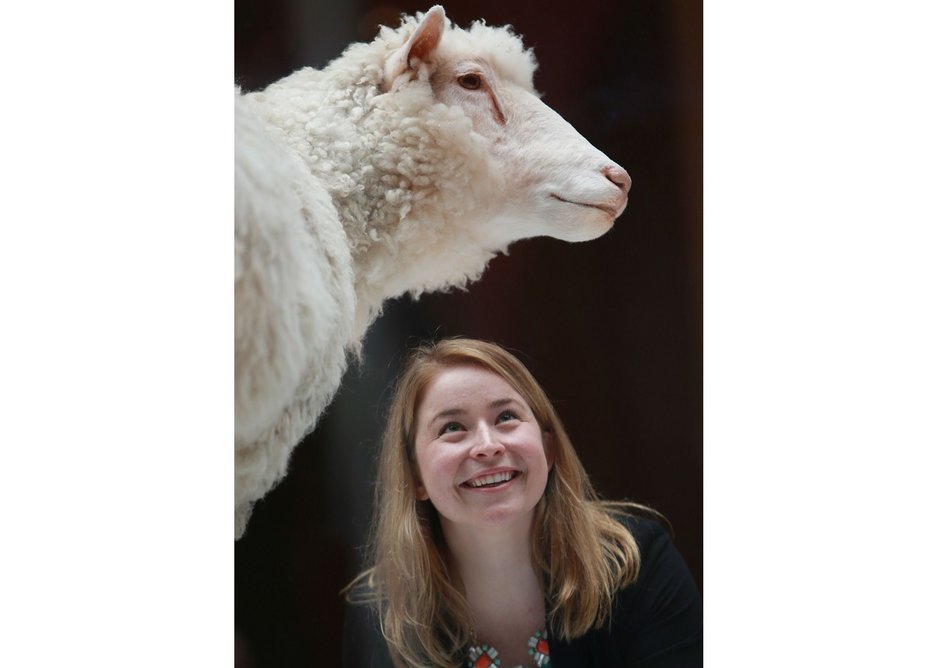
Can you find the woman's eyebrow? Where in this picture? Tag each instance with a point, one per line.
(448, 412)
(498, 403)
(455, 412)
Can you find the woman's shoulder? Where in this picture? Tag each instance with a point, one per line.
(646, 528)
(646, 525)
(657, 619)
(661, 610)
(658, 555)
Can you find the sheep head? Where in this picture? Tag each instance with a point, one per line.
(542, 178)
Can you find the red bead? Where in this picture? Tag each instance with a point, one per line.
(483, 661)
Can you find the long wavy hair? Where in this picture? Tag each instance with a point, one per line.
(581, 550)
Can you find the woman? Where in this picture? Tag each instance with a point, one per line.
(490, 546)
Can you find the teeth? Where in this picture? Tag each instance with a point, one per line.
(491, 479)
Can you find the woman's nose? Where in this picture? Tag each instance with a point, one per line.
(486, 444)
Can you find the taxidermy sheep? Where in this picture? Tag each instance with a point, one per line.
(404, 166)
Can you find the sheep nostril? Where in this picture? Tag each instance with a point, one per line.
(618, 176)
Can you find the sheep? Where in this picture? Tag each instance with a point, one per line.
(403, 166)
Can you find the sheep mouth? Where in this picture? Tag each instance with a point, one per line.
(491, 481)
(604, 208)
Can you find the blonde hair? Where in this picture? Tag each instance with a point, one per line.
(582, 551)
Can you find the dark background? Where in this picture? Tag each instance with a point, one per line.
(612, 328)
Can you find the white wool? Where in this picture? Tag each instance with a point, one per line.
(351, 189)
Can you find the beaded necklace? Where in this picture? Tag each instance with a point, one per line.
(484, 656)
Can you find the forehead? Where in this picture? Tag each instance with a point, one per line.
(462, 386)
(498, 47)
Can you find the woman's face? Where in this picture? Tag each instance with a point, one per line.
(482, 459)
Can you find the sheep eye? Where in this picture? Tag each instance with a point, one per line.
(470, 81)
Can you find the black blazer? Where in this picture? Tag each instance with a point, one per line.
(657, 621)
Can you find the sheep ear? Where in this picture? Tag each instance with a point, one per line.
(418, 48)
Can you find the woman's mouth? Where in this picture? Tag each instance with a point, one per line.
(490, 481)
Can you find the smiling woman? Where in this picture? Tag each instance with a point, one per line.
(489, 535)
(481, 456)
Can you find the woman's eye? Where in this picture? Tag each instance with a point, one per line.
(470, 81)
(506, 415)
(450, 428)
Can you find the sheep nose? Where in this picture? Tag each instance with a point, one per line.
(618, 176)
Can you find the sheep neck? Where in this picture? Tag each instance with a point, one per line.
(401, 172)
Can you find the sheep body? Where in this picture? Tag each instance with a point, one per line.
(362, 181)
(294, 306)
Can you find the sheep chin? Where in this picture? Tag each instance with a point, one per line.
(574, 221)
